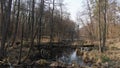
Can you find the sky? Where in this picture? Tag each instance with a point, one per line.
(73, 6)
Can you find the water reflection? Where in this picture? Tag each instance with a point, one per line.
(72, 58)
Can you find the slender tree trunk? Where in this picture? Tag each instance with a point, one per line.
(105, 24)
(100, 25)
(32, 31)
(91, 21)
(16, 23)
(52, 23)
(22, 35)
(6, 11)
(2, 29)
(40, 22)
(29, 26)
(61, 15)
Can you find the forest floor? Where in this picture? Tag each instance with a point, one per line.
(109, 59)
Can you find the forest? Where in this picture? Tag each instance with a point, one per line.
(41, 34)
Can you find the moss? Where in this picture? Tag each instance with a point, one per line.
(115, 48)
(42, 62)
(105, 58)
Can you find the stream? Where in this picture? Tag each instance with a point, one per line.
(72, 58)
(69, 58)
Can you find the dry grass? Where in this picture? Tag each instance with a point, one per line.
(108, 59)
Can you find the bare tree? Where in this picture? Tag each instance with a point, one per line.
(32, 32)
(40, 21)
(16, 23)
(99, 24)
(91, 21)
(52, 22)
(6, 13)
(105, 24)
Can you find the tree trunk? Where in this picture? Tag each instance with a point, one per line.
(32, 32)
(40, 21)
(6, 13)
(16, 23)
(22, 36)
(100, 25)
(105, 24)
(52, 23)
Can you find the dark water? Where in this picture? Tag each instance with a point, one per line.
(72, 58)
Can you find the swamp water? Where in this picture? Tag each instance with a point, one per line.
(72, 58)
